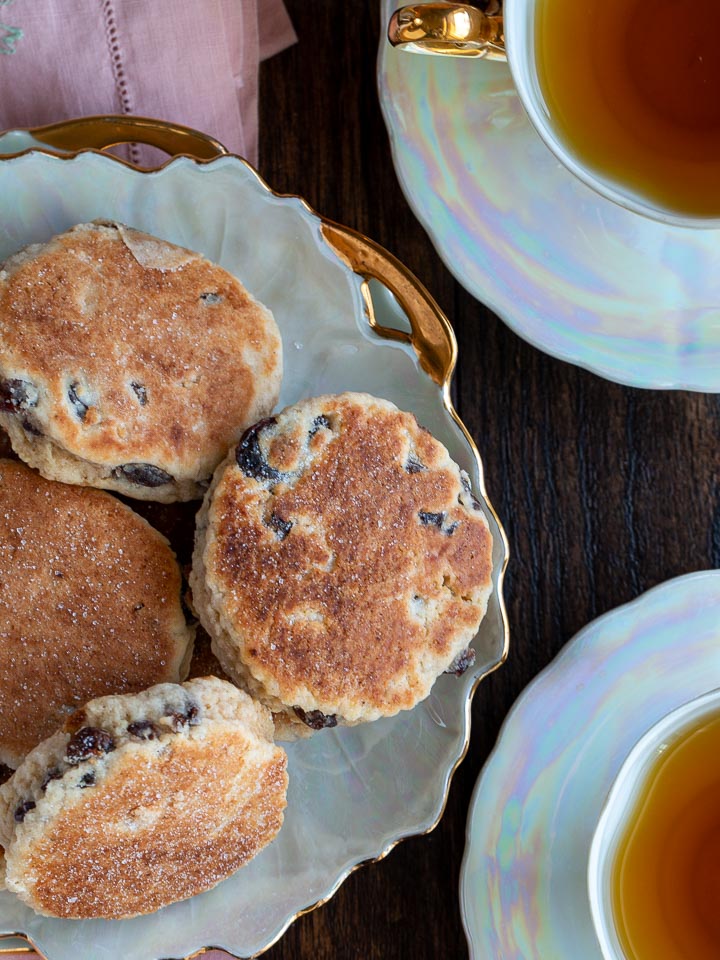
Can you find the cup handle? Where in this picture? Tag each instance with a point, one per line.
(453, 29)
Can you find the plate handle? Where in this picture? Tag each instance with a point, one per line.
(431, 336)
(110, 130)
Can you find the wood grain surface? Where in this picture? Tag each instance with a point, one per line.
(604, 490)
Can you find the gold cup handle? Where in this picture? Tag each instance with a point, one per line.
(453, 29)
(106, 131)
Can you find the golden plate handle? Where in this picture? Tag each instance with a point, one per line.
(453, 29)
(25, 951)
(102, 132)
(431, 335)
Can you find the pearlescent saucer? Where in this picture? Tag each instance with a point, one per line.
(524, 893)
(576, 275)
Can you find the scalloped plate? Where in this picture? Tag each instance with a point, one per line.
(354, 792)
(574, 274)
(524, 893)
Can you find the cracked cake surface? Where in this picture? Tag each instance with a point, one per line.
(341, 561)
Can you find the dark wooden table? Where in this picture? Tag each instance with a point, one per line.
(604, 490)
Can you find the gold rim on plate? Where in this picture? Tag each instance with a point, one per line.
(431, 337)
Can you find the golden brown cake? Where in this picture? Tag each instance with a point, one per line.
(129, 363)
(143, 800)
(89, 604)
(341, 562)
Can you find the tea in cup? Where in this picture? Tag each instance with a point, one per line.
(626, 93)
(654, 868)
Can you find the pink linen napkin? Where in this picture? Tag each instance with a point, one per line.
(193, 62)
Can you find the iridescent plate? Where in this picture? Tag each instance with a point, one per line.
(574, 274)
(353, 792)
(524, 892)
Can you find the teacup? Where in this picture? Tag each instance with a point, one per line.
(654, 867)
(626, 93)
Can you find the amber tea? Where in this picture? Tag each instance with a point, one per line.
(633, 87)
(665, 875)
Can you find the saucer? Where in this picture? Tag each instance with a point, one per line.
(523, 886)
(576, 275)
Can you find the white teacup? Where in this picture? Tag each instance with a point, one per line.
(620, 815)
(508, 30)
